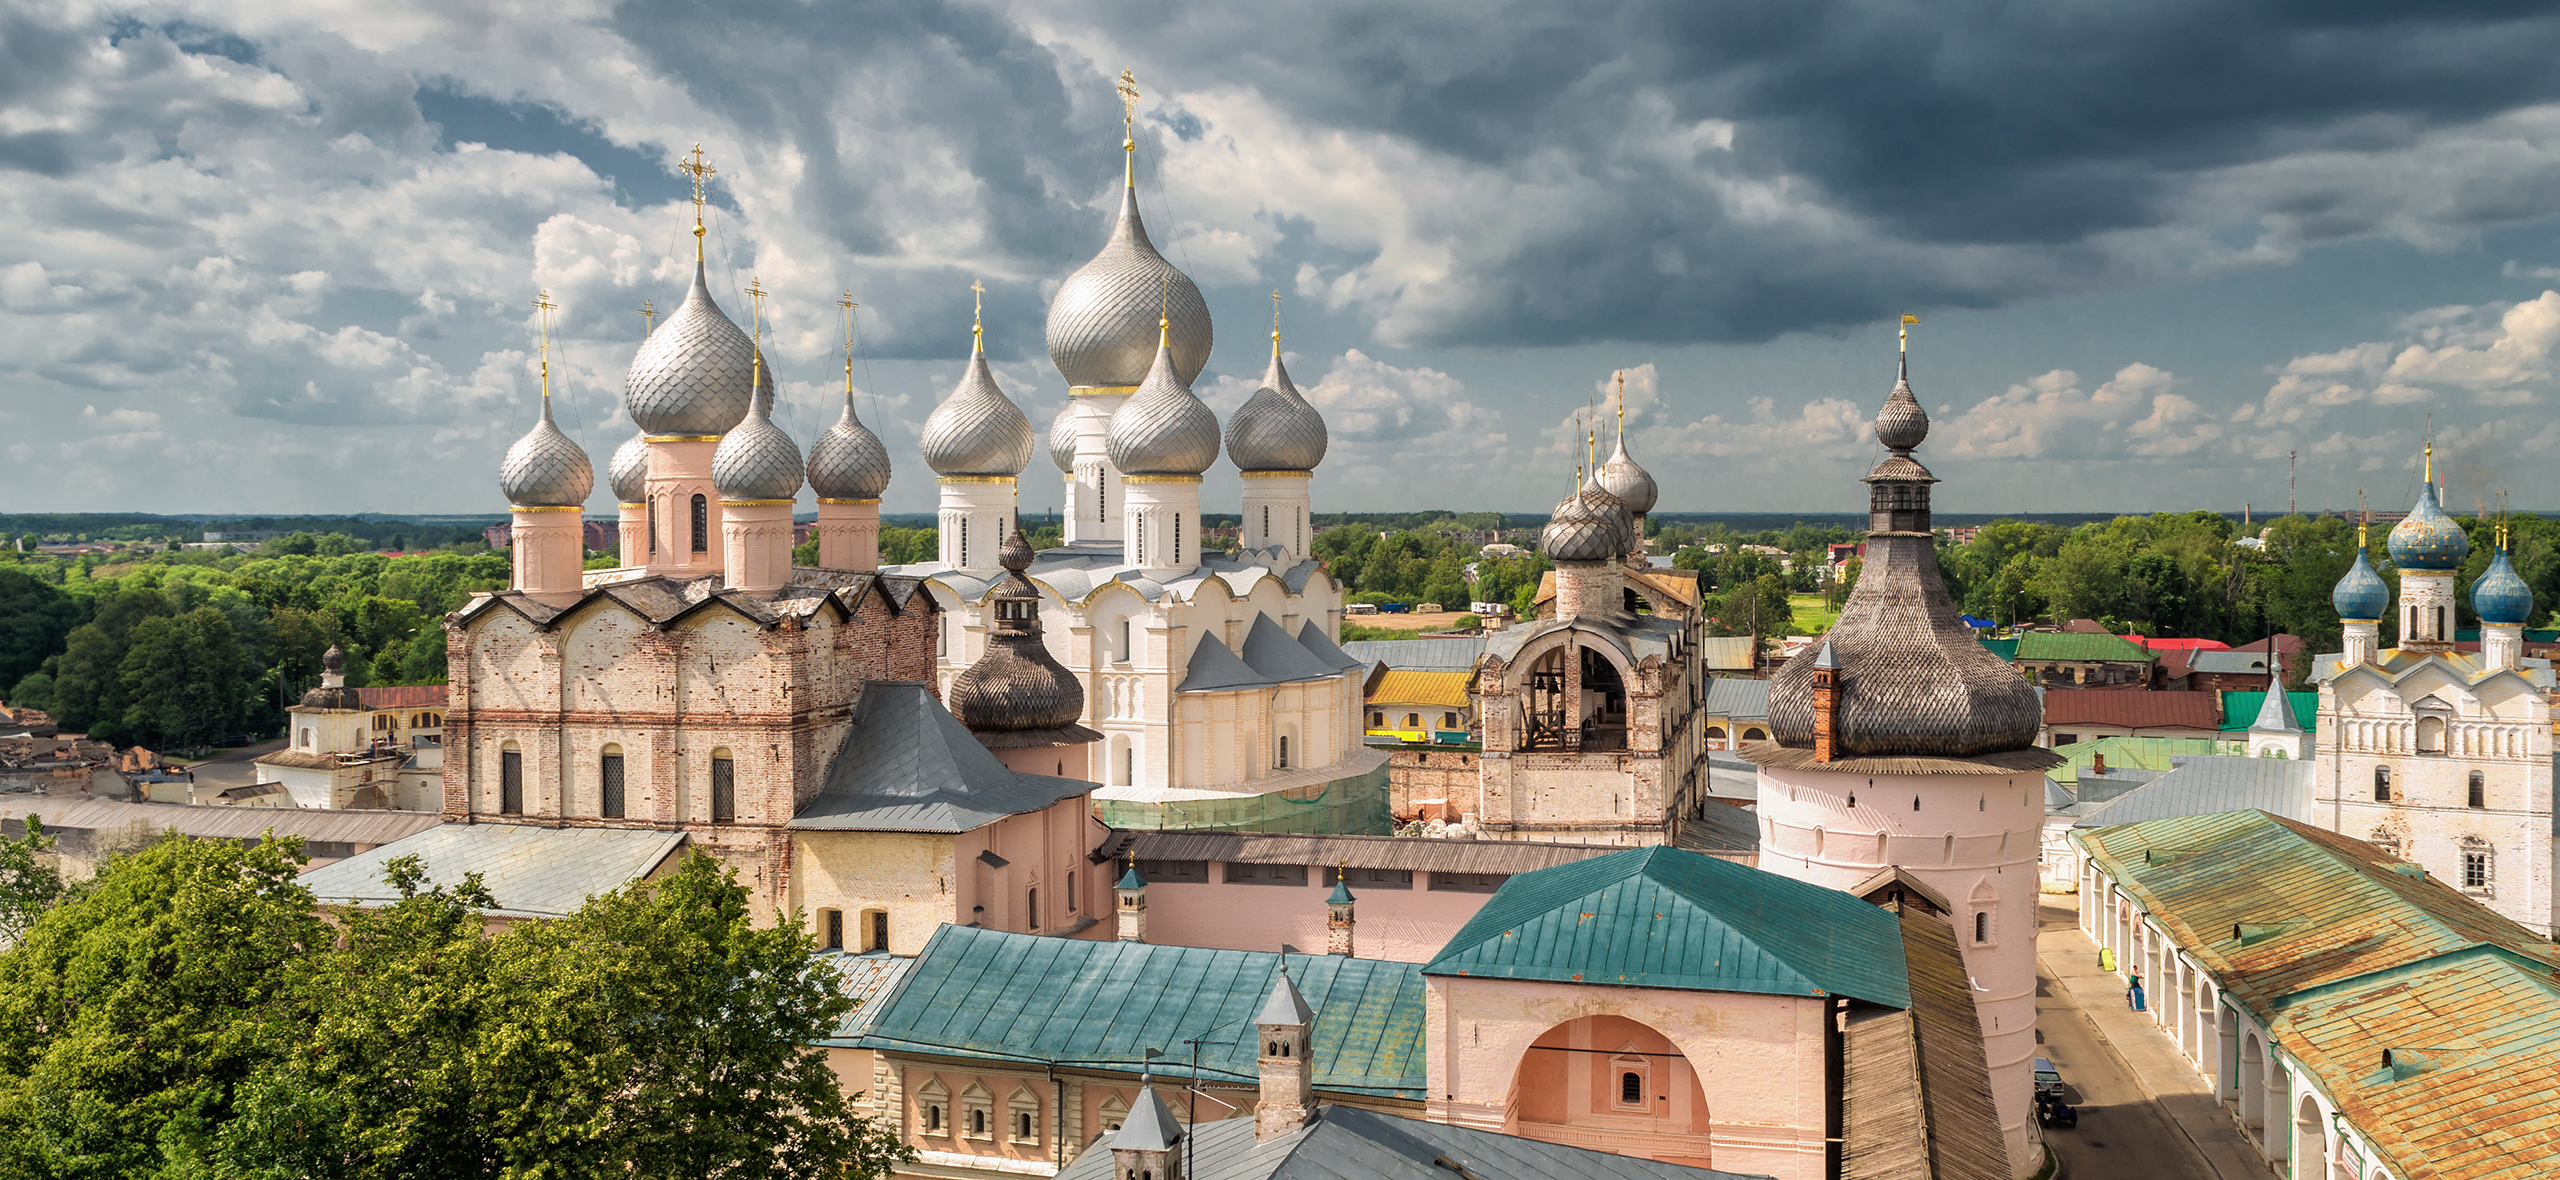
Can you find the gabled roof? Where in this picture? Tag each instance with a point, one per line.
(2133, 709)
(977, 993)
(1446, 653)
(2242, 710)
(2395, 665)
(2080, 646)
(533, 872)
(1729, 696)
(908, 765)
(1346, 1142)
(1325, 650)
(1271, 652)
(1445, 689)
(2210, 784)
(1669, 918)
(1215, 669)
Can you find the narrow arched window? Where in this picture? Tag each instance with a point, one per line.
(2382, 784)
(701, 523)
(510, 781)
(1630, 1087)
(609, 772)
(724, 787)
(1982, 927)
(1284, 752)
(2479, 791)
(653, 527)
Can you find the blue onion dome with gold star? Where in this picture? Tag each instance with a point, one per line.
(756, 460)
(629, 470)
(2427, 539)
(1163, 429)
(544, 469)
(977, 432)
(847, 462)
(2362, 594)
(1101, 317)
(2500, 596)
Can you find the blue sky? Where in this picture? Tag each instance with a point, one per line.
(277, 257)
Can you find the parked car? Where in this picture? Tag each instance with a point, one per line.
(2054, 1112)
(2048, 1079)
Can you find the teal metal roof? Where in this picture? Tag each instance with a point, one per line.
(2240, 710)
(1670, 918)
(1102, 1005)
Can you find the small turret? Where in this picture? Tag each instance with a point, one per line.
(1146, 1145)
(1131, 895)
(1337, 915)
(1287, 1030)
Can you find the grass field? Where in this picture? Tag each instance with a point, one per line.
(1812, 617)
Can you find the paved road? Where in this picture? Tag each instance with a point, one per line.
(2122, 1134)
(231, 768)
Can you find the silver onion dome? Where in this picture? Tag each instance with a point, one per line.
(544, 469)
(691, 374)
(848, 462)
(629, 471)
(1622, 477)
(1579, 531)
(1163, 429)
(1062, 439)
(1901, 424)
(977, 431)
(1622, 524)
(1102, 315)
(1276, 429)
(756, 460)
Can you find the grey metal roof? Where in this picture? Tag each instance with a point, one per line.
(1149, 1127)
(1736, 697)
(1215, 669)
(1286, 1006)
(221, 823)
(1729, 777)
(1326, 651)
(2229, 662)
(1448, 654)
(1270, 651)
(1636, 635)
(1720, 830)
(1349, 1143)
(532, 871)
(2210, 786)
(1362, 852)
(908, 765)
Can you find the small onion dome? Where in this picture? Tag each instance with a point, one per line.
(2427, 539)
(630, 470)
(1162, 429)
(1614, 510)
(977, 431)
(333, 663)
(1062, 439)
(2362, 594)
(1579, 531)
(1631, 484)
(691, 374)
(1902, 425)
(848, 462)
(1099, 320)
(2500, 596)
(1016, 685)
(1275, 429)
(546, 470)
(334, 660)
(756, 460)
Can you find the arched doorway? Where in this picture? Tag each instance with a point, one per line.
(2253, 1082)
(1604, 703)
(1611, 1084)
(2311, 1139)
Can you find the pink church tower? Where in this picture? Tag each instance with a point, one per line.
(1904, 748)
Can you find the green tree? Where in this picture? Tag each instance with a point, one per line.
(1446, 581)
(88, 677)
(35, 618)
(29, 883)
(186, 679)
(907, 546)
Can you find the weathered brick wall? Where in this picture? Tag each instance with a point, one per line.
(1433, 774)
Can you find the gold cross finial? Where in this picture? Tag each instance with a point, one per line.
(700, 170)
(649, 316)
(1275, 325)
(846, 302)
(1622, 403)
(542, 309)
(978, 316)
(1129, 124)
(756, 293)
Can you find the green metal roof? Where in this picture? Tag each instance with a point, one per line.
(2080, 645)
(1670, 918)
(1102, 1005)
(2128, 753)
(2240, 709)
(2006, 649)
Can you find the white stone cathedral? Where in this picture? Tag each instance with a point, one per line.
(2440, 756)
(1211, 677)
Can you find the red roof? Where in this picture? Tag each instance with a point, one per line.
(2177, 644)
(2133, 710)
(402, 696)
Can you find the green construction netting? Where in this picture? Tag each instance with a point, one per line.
(1355, 806)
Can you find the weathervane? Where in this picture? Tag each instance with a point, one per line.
(696, 167)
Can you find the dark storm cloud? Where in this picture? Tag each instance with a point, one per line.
(1979, 153)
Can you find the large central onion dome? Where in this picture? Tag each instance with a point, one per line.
(629, 470)
(691, 375)
(848, 462)
(977, 431)
(1017, 688)
(1912, 679)
(2362, 594)
(1099, 321)
(2427, 539)
(1579, 531)
(2500, 596)
(1630, 483)
(544, 469)
(1275, 429)
(756, 460)
(1163, 429)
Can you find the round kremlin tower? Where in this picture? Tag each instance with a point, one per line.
(1905, 762)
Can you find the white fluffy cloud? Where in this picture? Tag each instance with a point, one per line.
(2050, 416)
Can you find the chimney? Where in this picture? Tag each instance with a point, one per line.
(1288, 1094)
(1826, 701)
(1337, 914)
(1144, 1148)
(2098, 763)
(1132, 893)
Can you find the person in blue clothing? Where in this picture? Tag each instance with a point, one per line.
(2133, 993)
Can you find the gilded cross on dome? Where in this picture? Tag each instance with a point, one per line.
(849, 306)
(542, 308)
(756, 293)
(695, 166)
(978, 316)
(649, 316)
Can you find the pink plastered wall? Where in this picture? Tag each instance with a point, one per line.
(1405, 925)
